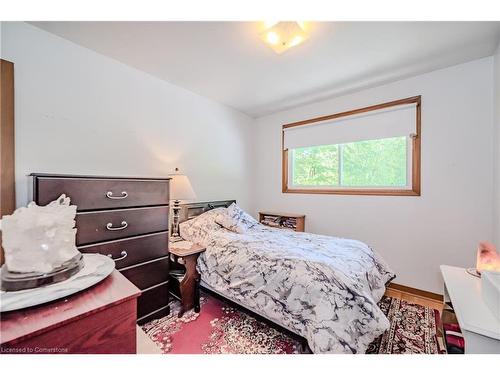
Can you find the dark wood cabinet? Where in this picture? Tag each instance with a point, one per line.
(148, 274)
(101, 319)
(90, 193)
(126, 219)
(131, 251)
(152, 301)
(96, 226)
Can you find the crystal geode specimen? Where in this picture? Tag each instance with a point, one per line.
(39, 238)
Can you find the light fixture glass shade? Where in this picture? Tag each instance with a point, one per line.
(284, 35)
(180, 187)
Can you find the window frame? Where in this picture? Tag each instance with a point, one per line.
(415, 187)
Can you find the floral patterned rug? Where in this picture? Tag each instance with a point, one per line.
(413, 330)
(220, 328)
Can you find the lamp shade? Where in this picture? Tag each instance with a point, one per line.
(180, 188)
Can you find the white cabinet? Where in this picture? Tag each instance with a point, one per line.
(480, 328)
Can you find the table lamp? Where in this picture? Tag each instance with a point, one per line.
(487, 259)
(180, 189)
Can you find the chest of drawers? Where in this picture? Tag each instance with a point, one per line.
(125, 219)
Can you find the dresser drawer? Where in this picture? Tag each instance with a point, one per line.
(96, 193)
(107, 225)
(136, 250)
(148, 274)
(152, 299)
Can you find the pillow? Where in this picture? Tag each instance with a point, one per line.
(235, 219)
(198, 230)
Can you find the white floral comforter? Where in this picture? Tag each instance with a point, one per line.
(324, 288)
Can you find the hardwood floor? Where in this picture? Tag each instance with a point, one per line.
(145, 345)
(414, 298)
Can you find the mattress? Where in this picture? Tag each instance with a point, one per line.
(322, 288)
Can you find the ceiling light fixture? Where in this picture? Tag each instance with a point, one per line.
(284, 35)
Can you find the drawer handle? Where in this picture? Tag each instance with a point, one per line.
(123, 256)
(110, 195)
(109, 226)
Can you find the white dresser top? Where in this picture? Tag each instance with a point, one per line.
(472, 313)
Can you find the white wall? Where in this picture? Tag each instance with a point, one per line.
(79, 112)
(496, 198)
(82, 113)
(414, 234)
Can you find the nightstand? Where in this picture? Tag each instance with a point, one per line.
(184, 277)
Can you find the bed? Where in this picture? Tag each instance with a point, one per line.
(324, 289)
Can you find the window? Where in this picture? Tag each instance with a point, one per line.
(373, 150)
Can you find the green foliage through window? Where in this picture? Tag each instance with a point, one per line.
(373, 163)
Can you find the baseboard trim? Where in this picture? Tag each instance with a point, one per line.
(416, 292)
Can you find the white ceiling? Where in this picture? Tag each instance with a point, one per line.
(227, 62)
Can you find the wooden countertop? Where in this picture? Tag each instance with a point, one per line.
(35, 320)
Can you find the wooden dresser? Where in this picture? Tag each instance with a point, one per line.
(126, 219)
(100, 319)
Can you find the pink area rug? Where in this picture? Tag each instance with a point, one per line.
(220, 328)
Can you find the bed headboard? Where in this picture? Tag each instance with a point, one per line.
(191, 210)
